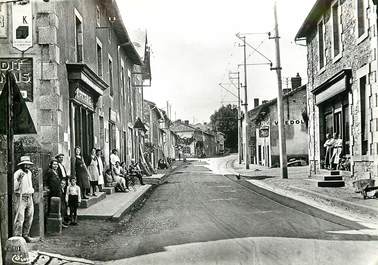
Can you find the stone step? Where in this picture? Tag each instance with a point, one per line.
(335, 172)
(331, 184)
(85, 203)
(332, 177)
(108, 190)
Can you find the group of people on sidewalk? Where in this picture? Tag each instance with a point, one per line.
(89, 177)
(334, 155)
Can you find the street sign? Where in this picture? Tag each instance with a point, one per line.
(22, 22)
(22, 71)
(22, 121)
(3, 20)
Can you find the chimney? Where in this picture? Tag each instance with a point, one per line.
(256, 102)
(296, 81)
(186, 122)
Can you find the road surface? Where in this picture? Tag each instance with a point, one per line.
(201, 217)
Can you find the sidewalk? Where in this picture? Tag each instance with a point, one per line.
(162, 174)
(340, 201)
(114, 206)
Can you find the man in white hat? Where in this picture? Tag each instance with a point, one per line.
(23, 189)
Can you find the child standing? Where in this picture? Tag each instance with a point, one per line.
(73, 199)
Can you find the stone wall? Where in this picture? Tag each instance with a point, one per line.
(359, 55)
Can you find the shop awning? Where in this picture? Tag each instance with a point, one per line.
(335, 85)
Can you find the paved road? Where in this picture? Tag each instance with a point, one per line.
(199, 217)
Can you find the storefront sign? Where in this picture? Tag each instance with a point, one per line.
(84, 98)
(3, 21)
(22, 26)
(291, 122)
(264, 132)
(22, 70)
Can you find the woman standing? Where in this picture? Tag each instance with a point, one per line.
(82, 174)
(93, 171)
(337, 149)
(329, 150)
(52, 181)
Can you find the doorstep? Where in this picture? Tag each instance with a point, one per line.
(114, 206)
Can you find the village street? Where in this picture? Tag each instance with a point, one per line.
(199, 217)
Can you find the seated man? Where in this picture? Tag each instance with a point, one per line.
(134, 170)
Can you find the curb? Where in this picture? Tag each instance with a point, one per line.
(130, 206)
(340, 201)
(300, 206)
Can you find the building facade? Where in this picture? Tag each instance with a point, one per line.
(79, 73)
(341, 40)
(265, 124)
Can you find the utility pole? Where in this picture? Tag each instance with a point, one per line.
(281, 129)
(240, 133)
(246, 147)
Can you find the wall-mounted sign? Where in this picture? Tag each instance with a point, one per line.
(22, 69)
(291, 122)
(84, 98)
(22, 22)
(3, 20)
(264, 132)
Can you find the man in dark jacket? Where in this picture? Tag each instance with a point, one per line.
(62, 173)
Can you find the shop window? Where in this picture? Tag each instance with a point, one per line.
(361, 17)
(363, 113)
(321, 45)
(336, 29)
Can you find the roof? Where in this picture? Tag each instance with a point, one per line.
(312, 18)
(154, 107)
(119, 28)
(253, 113)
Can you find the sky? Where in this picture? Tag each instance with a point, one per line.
(194, 47)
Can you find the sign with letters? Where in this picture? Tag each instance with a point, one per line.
(3, 20)
(291, 122)
(22, 22)
(22, 70)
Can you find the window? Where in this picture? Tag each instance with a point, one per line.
(78, 37)
(98, 16)
(99, 58)
(336, 30)
(364, 118)
(321, 44)
(361, 17)
(111, 76)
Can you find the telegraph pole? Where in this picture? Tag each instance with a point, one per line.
(281, 129)
(246, 147)
(240, 133)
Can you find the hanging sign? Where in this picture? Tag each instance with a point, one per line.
(22, 71)
(3, 20)
(22, 26)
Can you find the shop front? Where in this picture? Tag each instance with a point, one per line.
(85, 88)
(332, 100)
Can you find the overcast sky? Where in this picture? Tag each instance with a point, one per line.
(194, 47)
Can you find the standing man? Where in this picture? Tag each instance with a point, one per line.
(100, 167)
(62, 173)
(23, 189)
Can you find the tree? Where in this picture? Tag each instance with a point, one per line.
(225, 120)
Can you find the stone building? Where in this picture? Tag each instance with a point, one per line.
(264, 120)
(341, 40)
(80, 74)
